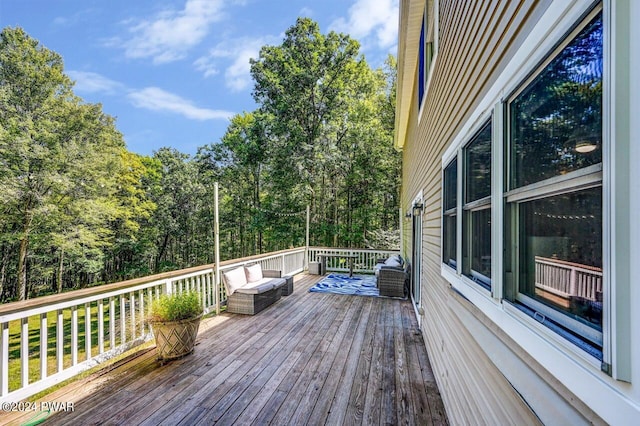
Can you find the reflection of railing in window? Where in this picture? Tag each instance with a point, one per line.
(560, 281)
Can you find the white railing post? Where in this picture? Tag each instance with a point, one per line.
(216, 234)
(572, 281)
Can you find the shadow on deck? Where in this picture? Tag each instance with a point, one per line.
(309, 359)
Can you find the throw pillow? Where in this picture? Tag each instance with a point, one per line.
(253, 273)
(234, 279)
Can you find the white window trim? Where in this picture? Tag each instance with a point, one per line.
(461, 282)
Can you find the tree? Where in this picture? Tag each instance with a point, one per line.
(299, 83)
(331, 143)
(58, 158)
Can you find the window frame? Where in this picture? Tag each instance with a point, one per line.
(428, 50)
(572, 182)
(476, 205)
(451, 212)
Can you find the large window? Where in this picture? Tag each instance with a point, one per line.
(476, 219)
(449, 220)
(553, 222)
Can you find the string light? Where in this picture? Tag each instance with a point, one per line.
(567, 217)
(280, 214)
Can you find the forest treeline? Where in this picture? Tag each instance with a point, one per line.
(79, 209)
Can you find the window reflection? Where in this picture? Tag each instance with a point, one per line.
(478, 166)
(561, 253)
(480, 243)
(557, 120)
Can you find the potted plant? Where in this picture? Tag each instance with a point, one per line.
(175, 319)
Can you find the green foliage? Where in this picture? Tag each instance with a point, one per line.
(176, 307)
(79, 209)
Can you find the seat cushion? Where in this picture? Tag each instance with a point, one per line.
(253, 273)
(234, 279)
(393, 261)
(261, 286)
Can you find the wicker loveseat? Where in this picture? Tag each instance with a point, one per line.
(392, 275)
(251, 289)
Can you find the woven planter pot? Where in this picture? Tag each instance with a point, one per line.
(175, 339)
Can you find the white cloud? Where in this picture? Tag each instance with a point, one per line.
(156, 99)
(371, 18)
(171, 33)
(306, 11)
(234, 56)
(91, 82)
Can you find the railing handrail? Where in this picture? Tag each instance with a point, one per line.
(568, 265)
(354, 249)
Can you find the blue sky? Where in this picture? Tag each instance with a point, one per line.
(173, 72)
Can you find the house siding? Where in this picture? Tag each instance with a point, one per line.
(477, 39)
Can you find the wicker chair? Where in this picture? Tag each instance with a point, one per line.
(392, 276)
(391, 281)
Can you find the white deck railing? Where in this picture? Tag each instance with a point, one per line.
(566, 279)
(92, 325)
(365, 258)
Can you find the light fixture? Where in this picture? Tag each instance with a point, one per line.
(585, 146)
(584, 140)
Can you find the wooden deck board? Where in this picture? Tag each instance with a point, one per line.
(309, 359)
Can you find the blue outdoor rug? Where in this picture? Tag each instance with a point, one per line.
(360, 285)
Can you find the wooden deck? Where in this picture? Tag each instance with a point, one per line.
(309, 359)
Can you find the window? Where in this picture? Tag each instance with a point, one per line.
(553, 222)
(449, 220)
(427, 47)
(476, 219)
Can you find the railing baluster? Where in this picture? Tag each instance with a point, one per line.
(132, 314)
(141, 311)
(24, 351)
(44, 335)
(60, 339)
(74, 335)
(123, 322)
(101, 326)
(112, 322)
(87, 331)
